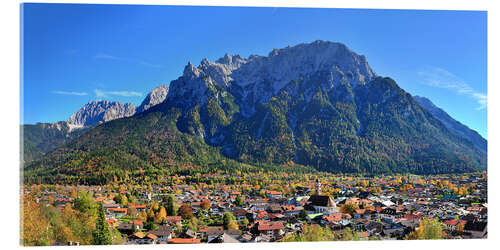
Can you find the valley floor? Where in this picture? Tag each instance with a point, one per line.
(260, 209)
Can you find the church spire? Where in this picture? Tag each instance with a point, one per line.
(318, 187)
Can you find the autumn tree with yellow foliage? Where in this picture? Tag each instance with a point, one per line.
(35, 227)
(429, 229)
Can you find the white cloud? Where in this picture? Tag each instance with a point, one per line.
(100, 93)
(130, 60)
(106, 56)
(441, 78)
(59, 92)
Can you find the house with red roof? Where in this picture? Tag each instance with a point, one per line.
(273, 194)
(117, 212)
(454, 224)
(273, 229)
(174, 220)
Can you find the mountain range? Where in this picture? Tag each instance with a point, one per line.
(41, 138)
(317, 105)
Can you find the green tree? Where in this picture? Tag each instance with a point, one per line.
(349, 234)
(244, 222)
(101, 235)
(349, 208)
(311, 233)
(429, 229)
(239, 200)
(303, 214)
(84, 202)
(193, 224)
(170, 206)
(228, 218)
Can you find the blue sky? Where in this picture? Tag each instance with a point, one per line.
(76, 53)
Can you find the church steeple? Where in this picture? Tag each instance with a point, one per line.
(318, 187)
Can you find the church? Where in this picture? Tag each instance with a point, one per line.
(318, 203)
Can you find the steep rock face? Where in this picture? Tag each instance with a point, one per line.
(284, 65)
(155, 97)
(95, 112)
(258, 78)
(453, 124)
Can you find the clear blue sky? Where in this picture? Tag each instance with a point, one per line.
(77, 53)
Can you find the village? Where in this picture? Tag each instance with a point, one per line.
(350, 208)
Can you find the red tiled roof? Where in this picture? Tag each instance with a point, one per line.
(261, 221)
(99, 199)
(333, 217)
(360, 211)
(272, 192)
(173, 218)
(118, 210)
(451, 222)
(152, 236)
(184, 241)
(413, 216)
(206, 229)
(139, 235)
(474, 208)
(270, 226)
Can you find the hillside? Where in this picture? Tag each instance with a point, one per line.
(453, 124)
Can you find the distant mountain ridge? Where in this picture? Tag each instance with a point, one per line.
(41, 138)
(100, 111)
(318, 105)
(453, 124)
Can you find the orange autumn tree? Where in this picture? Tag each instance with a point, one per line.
(35, 227)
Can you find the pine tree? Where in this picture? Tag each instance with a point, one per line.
(101, 235)
(170, 206)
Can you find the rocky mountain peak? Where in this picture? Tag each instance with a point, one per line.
(100, 111)
(190, 71)
(156, 96)
(261, 77)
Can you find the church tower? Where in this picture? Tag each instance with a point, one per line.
(318, 187)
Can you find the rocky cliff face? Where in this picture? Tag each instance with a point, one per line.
(155, 97)
(95, 112)
(258, 78)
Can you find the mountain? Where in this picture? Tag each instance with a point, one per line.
(156, 96)
(453, 124)
(100, 111)
(40, 138)
(317, 105)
